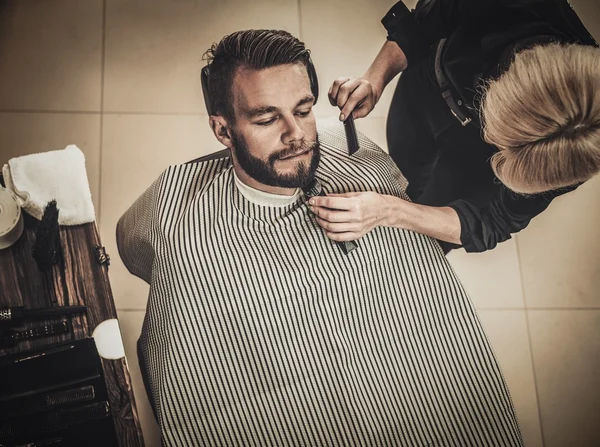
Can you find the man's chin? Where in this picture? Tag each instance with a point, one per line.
(294, 177)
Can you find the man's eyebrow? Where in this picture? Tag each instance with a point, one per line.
(307, 99)
(258, 111)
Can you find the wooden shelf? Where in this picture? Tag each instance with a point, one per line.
(80, 279)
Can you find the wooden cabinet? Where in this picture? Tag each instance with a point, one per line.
(79, 279)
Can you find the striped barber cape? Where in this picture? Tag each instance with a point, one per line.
(259, 331)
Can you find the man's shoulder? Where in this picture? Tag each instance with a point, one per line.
(332, 137)
(369, 169)
(206, 167)
(185, 180)
(219, 155)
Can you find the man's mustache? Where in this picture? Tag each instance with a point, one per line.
(293, 149)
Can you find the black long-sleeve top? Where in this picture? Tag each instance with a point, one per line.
(480, 35)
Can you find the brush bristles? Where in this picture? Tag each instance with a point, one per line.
(46, 250)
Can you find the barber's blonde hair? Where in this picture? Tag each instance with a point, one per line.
(543, 114)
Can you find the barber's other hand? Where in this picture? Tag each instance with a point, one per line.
(357, 96)
(349, 216)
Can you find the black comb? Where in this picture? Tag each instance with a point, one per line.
(351, 136)
(314, 189)
(10, 337)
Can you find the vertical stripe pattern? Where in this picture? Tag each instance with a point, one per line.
(259, 331)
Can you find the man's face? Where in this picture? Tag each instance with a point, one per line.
(275, 136)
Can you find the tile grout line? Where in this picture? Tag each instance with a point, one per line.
(102, 64)
(65, 112)
(527, 325)
(300, 32)
(535, 309)
(499, 309)
(318, 116)
(100, 112)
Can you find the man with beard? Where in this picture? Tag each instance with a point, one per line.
(259, 330)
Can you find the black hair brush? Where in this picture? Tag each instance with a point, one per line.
(46, 249)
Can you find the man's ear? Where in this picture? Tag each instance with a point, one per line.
(221, 129)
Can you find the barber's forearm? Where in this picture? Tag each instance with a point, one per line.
(438, 222)
(389, 62)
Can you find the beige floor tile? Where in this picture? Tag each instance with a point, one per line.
(325, 112)
(374, 128)
(507, 332)
(344, 38)
(51, 55)
(130, 323)
(589, 13)
(29, 133)
(491, 278)
(154, 48)
(560, 251)
(566, 354)
(136, 149)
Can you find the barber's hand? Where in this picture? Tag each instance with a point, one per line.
(357, 96)
(349, 216)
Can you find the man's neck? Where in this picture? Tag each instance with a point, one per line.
(249, 181)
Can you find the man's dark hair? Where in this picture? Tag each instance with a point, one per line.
(255, 49)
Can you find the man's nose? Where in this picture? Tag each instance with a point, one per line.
(293, 132)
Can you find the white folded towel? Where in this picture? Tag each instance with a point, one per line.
(55, 175)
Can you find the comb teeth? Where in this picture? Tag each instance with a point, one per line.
(5, 315)
(76, 395)
(351, 136)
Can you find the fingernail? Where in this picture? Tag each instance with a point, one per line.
(342, 117)
(311, 202)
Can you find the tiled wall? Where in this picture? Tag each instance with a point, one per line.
(120, 78)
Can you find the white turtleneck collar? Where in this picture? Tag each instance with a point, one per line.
(264, 198)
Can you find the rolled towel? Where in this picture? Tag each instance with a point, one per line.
(54, 175)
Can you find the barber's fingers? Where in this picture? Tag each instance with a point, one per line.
(346, 91)
(344, 194)
(339, 227)
(333, 215)
(334, 202)
(343, 237)
(341, 89)
(355, 96)
(333, 90)
(360, 102)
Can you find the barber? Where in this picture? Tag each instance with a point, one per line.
(497, 111)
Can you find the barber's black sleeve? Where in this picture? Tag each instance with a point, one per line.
(483, 227)
(415, 31)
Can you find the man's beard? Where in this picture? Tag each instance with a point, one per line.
(264, 171)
